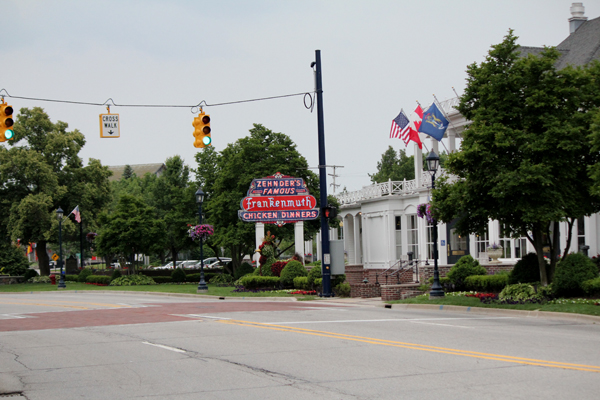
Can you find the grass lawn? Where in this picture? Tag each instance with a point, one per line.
(568, 307)
(162, 288)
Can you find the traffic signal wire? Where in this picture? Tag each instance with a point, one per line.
(110, 102)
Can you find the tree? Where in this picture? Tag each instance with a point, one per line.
(173, 198)
(40, 172)
(395, 167)
(227, 177)
(130, 229)
(525, 155)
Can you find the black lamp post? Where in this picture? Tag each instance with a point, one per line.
(61, 282)
(202, 287)
(433, 162)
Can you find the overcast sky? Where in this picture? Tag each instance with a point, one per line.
(377, 57)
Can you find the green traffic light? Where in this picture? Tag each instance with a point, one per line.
(9, 134)
(206, 140)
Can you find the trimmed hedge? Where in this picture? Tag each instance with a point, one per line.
(84, 274)
(486, 283)
(342, 290)
(466, 266)
(178, 275)
(591, 286)
(260, 282)
(131, 280)
(101, 279)
(292, 270)
(242, 270)
(162, 279)
(71, 278)
(301, 282)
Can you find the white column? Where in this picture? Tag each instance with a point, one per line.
(299, 237)
(349, 238)
(418, 165)
(435, 146)
(357, 241)
(392, 238)
(319, 255)
(259, 235)
(451, 141)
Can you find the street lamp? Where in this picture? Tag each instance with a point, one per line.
(433, 162)
(61, 282)
(202, 287)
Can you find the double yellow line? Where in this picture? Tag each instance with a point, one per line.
(422, 347)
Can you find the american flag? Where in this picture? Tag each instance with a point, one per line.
(399, 126)
(77, 214)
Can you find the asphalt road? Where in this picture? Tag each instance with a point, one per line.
(65, 345)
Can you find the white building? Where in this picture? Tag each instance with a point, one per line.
(380, 223)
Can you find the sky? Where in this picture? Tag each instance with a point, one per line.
(377, 56)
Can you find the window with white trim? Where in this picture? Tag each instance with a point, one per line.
(398, 238)
(413, 235)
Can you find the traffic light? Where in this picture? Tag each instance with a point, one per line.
(329, 212)
(6, 122)
(202, 130)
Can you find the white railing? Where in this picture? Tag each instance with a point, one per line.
(389, 188)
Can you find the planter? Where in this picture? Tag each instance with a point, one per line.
(495, 254)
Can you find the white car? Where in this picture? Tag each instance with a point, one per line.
(169, 265)
(188, 264)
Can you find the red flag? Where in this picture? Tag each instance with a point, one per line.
(413, 131)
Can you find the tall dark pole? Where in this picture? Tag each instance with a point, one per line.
(81, 243)
(61, 282)
(436, 289)
(202, 287)
(326, 257)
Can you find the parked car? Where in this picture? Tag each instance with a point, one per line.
(188, 264)
(169, 265)
(218, 264)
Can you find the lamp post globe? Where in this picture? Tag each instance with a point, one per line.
(433, 163)
(202, 287)
(61, 282)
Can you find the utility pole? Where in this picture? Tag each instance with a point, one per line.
(326, 255)
(334, 175)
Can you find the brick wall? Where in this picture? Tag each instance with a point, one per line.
(378, 285)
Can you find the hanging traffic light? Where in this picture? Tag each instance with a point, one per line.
(202, 130)
(6, 122)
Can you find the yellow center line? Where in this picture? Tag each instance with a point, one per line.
(422, 347)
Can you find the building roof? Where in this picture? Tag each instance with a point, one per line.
(582, 46)
(139, 169)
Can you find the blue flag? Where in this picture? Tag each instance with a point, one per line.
(434, 123)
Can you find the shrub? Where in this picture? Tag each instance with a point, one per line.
(570, 274)
(445, 283)
(486, 283)
(301, 282)
(71, 278)
(101, 279)
(39, 279)
(162, 279)
(178, 275)
(116, 274)
(591, 286)
(12, 260)
(132, 280)
(520, 292)
(342, 290)
(29, 273)
(337, 280)
(318, 283)
(292, 270)
(84, 274)
(242, 270)
(277, 267)
(526, 270)
(260, 282)
(466, 266)
(314, 273)
(222, 280)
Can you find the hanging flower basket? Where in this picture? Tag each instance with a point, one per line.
(424, 211)
(201, 232)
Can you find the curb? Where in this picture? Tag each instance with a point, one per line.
(498, 311)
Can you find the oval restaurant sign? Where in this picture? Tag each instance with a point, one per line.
(278, 199)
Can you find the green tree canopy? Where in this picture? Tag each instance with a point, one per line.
(394, 166)
(525, 155)
(42, 171)
(226, 178)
